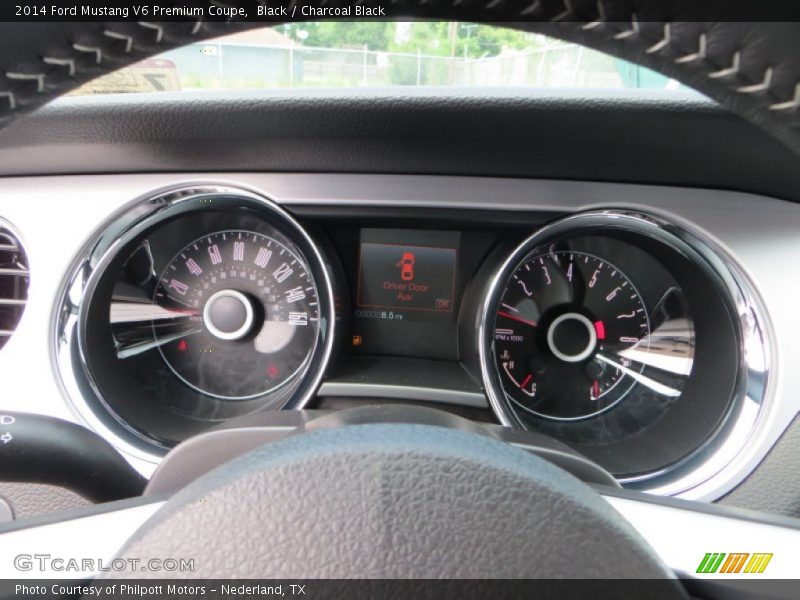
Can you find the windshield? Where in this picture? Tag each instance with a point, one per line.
(339, 54)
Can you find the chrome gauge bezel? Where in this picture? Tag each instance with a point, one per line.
(753, 385)
(144, 214)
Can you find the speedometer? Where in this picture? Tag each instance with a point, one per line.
(565, 323)
(203, 303)
(244, 314)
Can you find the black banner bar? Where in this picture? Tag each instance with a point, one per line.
(324, 589)
(281, 11)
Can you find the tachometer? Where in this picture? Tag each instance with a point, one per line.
(564, 325)
(247, 314)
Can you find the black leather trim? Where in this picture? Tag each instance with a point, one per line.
(751, 68)
(647, 137)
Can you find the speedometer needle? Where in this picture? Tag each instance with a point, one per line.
(518, 319)
(134, 325)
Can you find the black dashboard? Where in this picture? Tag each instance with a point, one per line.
(303, 284)
(471, 209)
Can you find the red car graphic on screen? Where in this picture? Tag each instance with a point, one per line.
(406, 265)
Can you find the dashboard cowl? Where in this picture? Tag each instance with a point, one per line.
(639, 136)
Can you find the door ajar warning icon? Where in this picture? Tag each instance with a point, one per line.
(406, 266)
(720, 562)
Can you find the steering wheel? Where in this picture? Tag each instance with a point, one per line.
(379, 498)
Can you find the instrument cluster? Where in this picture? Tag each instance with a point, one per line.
(632, 340)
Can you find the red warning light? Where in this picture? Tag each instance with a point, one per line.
(183, 346)
(272, 371)
(406, 265)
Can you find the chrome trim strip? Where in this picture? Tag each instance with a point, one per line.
(680, 537)
(403, 392)
(98, 537)
(9, 302)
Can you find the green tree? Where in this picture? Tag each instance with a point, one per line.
(469, 40)
(435, 38)
(486, 40)
(342, 34)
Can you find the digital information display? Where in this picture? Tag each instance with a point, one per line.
(406, 277)
(406, 293)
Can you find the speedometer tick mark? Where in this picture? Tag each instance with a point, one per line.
(214, 274)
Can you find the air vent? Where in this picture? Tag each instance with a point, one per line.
(14, 279)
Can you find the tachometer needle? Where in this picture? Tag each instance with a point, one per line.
(516, 318)
(654, 385)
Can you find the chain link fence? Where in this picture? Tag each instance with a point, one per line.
(230, 66)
